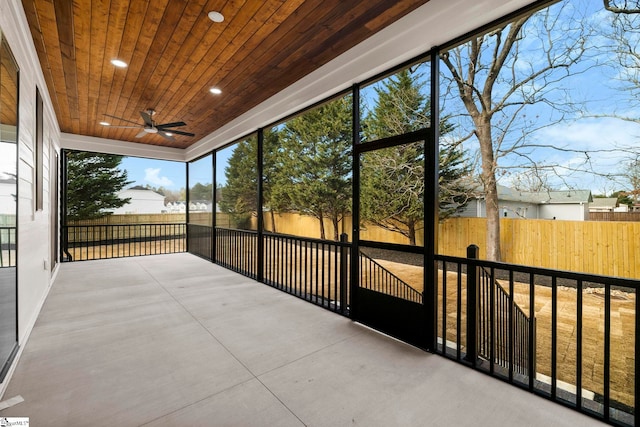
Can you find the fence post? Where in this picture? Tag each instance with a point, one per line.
(344, 238)
(472, 304)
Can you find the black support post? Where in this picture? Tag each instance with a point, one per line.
(64, 230)
(472, 305)
(355, 202)
(431, 208)
(260, 169)
(344, 256)
(186, 196)
(214, 214)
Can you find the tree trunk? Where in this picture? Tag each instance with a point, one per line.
(336, 223)
(412, 233)
(273, 221)
(322, 234)
(483, 130)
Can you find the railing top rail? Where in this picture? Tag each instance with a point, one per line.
(408, 286)
(5, 227)
(393, 246)
(561, 274)
(239, 230)
(125, 225)
(308, 239)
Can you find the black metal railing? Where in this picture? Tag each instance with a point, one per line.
(375, 277)
(199, 240)
(237, 250)
(7, 247)
(314, 270)
(91, 242)
(495, 310)
(581, 338)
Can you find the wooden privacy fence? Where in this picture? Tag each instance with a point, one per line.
(614, 216)
(202, 218)
(597, 247)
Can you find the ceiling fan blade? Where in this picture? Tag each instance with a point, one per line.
(147, 118)
(171, 125)
(141, 134)
(179, 132)
(124, 127)
(120, 118)
(165, 136)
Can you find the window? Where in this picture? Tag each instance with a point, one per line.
(307, 172)
(39, 153)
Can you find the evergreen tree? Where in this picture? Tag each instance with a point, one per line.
(274, 201)
(239, 197)
(454, 179)
(93, 181)
(314, 164)
(201, 192)
(392, 179)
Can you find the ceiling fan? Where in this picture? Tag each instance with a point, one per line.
(150, 126)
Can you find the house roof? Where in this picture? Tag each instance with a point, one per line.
(141, 191)
(604, 202)
(544, 197)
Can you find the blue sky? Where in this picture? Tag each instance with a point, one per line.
(590, 142)
(170, 174)
(157, 173)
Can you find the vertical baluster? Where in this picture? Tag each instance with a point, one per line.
(554, 336)
(492, 319)
(458, 309)
(607, 351)
(444, 311)
(323, 282)
(531, 342)
(511, 312)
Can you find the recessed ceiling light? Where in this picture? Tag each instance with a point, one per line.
(215, 16)
(215, 91)
(105, 123)
(119, 63)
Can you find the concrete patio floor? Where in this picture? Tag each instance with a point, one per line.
(173, 340)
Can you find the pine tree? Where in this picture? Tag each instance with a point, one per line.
(93, 181)
(392, 179)
(314, 164)
(239, 197)
(201, 192)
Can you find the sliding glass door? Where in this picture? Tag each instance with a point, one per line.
(8, 206)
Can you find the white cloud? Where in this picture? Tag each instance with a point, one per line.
(592, 134)
(152, 176)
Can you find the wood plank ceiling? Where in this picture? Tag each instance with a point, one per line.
(175, 54)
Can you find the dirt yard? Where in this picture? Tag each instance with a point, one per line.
(622, 329)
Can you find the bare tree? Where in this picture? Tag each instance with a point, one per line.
(622, 6)
(632, 174)
(532, 180)
(498, 75)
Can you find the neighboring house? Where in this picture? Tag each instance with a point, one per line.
(567, 205)
(176, 207)
(143, 201)
(603, 204)
(200, 206)
(195, 206)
